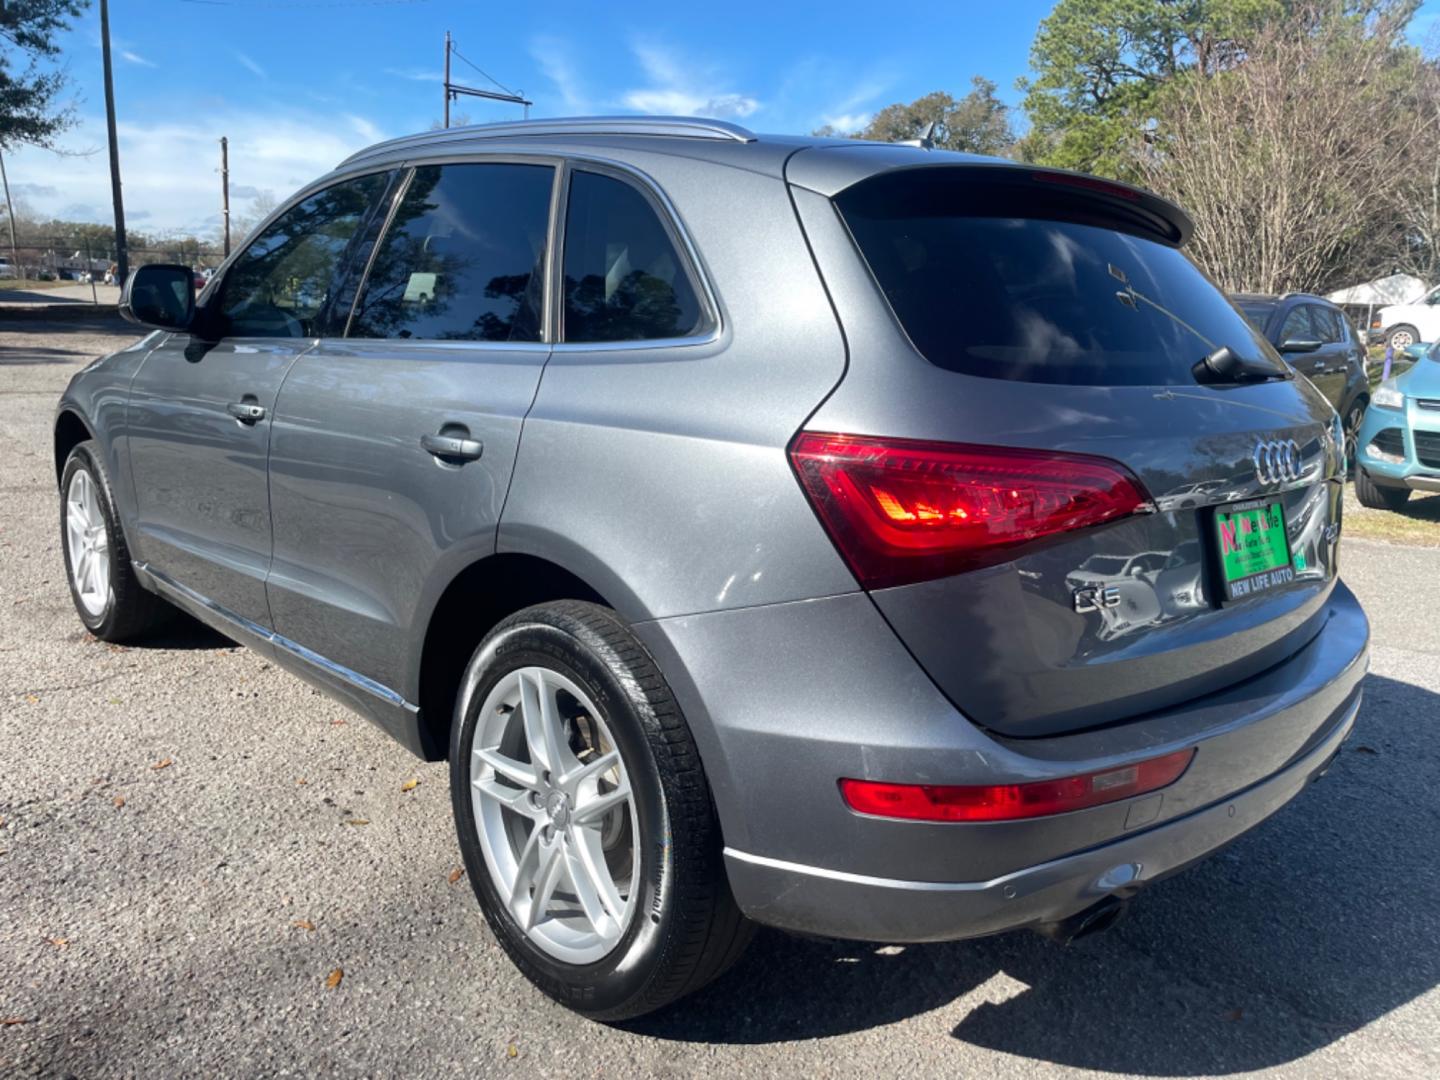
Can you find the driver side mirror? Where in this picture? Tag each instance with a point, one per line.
(1416, 351)
(1299, 345)
(159, 296)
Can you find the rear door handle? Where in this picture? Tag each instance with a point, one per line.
(452, 446)
(247, 412)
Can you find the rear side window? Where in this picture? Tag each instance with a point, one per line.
(1257, 312)
(279, 285)
(1298, 326)
(624, 278)
(985, 283)
(463, 259)
(1326, 324)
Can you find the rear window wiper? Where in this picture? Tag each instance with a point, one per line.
(1226, 366)
(1222, 365)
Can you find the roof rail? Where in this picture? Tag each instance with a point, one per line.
(675, 126)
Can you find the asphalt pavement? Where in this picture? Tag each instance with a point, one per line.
(193, 843)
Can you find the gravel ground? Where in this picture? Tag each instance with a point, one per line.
(193, 842)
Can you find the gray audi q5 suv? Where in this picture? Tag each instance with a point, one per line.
(865, 540)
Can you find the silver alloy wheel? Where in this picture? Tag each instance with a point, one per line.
(555, 813)
(88, 543)
(1402, 339)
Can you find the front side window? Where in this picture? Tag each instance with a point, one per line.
(279, 285)
(464, 257)
(624, 278)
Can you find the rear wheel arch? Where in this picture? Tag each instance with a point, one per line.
(478, 598)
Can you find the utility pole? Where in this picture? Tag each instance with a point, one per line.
(454, 90)
(122, 262)
(225, 189)
(10, 207)
(447, 78)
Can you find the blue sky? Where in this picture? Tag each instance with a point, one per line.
(298, 85)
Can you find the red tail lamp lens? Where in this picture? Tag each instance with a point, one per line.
(901, 510)
(1013, 802)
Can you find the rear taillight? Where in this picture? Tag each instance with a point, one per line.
(1011, 802)
(900, 510)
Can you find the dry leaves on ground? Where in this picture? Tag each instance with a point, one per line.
(58, 942)
(119, 801)
(334, 980)
(409, 785)
(163, 763)
(303, 924)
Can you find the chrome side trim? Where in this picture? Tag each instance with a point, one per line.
(270, 637)
(866, 879)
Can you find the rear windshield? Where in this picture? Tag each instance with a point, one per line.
(1012, 287)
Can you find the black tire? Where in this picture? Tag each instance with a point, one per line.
(686, 929)
(1403, 331)
(130, 611)
(1376, 497)
(1354, 417)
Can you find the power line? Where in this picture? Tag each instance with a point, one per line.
(482, 71)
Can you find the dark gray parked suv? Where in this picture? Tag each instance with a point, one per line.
(1317, 339)
(860, 539)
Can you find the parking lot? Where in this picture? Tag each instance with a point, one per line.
(193, 843)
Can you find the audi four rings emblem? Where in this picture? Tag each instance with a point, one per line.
(1277, 460)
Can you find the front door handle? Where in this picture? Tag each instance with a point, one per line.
(247, 412)
(452, 446)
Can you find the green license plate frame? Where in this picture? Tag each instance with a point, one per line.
(1252, 548)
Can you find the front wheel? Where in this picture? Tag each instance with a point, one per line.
(1376, 497)
(584, 817)
(1402, 336)
(1353, 419)
(108, 596)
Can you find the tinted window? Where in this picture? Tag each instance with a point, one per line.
(1298, 327)
(984, 286)
(624, 280)
(279, 285)
(464, 257)
(1257, 311)
(1326, 324)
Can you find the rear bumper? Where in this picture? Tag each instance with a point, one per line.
(837, 904)
(787, 699)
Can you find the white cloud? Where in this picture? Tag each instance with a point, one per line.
(680, 87)
(364, 128)
(557, 65)
(135, 58)
(170, 169)
(416, 74)
(847, 123)
(254, 68)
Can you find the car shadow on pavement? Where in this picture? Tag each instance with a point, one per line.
(1312, 926)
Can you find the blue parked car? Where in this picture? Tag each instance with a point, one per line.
(1399, 444)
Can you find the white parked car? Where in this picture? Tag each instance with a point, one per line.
(1405, 324)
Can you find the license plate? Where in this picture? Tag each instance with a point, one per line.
(1254, 548)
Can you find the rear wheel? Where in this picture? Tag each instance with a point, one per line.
(107, 594)
(1398, 337)
(1376, 497)
(584, 817)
